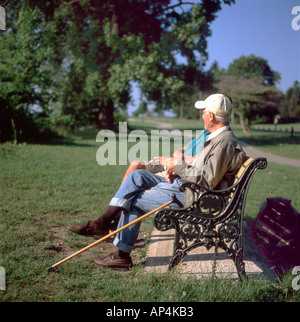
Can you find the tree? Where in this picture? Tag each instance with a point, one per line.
(141, 110)
(251, 99)
(138, 41)
(290, 107)
(254, 67)
(95, 49)
(250, 82)
(26, 52)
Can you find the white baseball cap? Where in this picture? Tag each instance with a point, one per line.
(218, 104)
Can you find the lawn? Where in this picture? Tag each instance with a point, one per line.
(44, 187)
(278, 143)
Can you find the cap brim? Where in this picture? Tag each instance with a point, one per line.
(200, 105)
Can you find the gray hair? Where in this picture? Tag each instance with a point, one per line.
(222, 119)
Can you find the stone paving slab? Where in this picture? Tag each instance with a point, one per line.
(199, 262)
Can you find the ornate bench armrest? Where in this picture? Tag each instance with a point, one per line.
(207, 202)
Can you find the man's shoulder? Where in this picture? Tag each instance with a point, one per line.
(228, 138)
(225, 136)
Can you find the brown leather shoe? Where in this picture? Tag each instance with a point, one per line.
(88, 228)
(111, 261)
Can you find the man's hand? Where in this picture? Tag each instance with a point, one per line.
(171, 162)
(170, 176)
(169, 173)
(161, 160)
(178, 155)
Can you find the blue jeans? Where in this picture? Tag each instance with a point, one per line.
(141, 192)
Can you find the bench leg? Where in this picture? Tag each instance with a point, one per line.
(238, 259)
(235, 254)
(240, 265)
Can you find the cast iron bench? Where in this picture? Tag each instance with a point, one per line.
(214, 218)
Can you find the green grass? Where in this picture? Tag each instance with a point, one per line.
(277, 143)
(44, 187)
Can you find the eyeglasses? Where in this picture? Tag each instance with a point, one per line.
(204, 111)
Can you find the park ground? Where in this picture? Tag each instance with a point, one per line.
(46, 186)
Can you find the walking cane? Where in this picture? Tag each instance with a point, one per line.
(174, 200)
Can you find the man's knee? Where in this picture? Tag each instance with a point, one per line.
(138, 164)
(139, 173)
(140, 177)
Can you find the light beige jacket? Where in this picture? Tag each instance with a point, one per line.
(217, 162)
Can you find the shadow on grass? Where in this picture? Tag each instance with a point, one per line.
(67, 142)
(72, 138)
(53, 140)
(270, 139)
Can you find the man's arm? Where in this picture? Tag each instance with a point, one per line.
(159, 162)
(180, 155)
(208, 174)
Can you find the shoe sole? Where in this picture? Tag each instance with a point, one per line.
(118, 269)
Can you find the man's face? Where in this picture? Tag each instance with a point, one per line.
(206, 118)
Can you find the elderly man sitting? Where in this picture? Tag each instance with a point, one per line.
(214, 167)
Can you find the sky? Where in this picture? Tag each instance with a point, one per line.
(259, 27)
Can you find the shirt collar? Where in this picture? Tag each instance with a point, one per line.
(214, 134)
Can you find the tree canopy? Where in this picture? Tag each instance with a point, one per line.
(26, 73)
(73, 62)
(290, 107)
(254, 67)
(81, 56)
(250, 81)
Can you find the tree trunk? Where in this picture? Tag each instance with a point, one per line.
(115, 25)
(181, 112)
(106, 112)
(242, 121)
(106, 116)
(248, 124)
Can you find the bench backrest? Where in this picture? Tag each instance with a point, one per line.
(230, 199)
(242, 169)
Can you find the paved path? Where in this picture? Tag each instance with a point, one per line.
(252, 152)
(165, 126)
